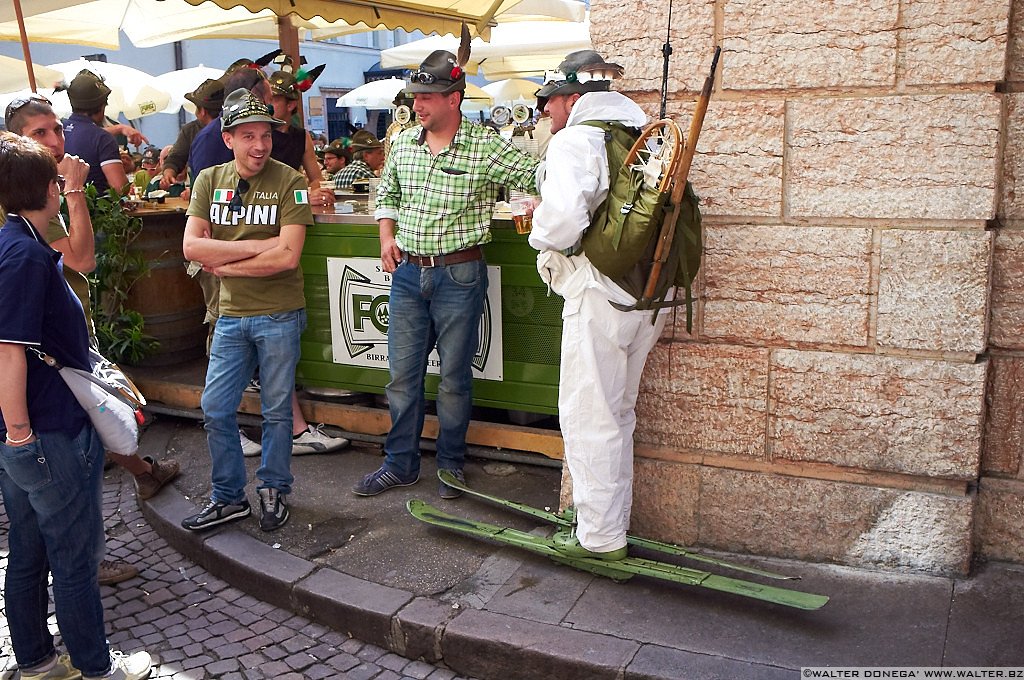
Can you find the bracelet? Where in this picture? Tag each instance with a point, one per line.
(74, 191)
(19, 442)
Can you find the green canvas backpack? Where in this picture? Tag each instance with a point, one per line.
(623, 233)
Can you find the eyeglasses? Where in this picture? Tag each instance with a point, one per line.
(235, 204)
(61, 183)
(16, 104)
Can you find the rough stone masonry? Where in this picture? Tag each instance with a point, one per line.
(853, 389)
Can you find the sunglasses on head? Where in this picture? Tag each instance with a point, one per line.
(422, 77)
(16, 104)
(235, 204)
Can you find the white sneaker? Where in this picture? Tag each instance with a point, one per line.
(315, 440)
(249, 447)
(137, 666)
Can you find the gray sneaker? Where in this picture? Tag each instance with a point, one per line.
(274, 510)
(137, 666)
(216, 513)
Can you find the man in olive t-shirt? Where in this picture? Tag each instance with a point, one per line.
(247, 224)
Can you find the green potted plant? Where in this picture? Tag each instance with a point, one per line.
(119, 329)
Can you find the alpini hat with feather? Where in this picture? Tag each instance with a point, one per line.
(580, 72)
(241, 106)
(441, 71)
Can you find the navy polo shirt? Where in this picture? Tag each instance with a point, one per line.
(97, 147)
(208, 149)
(39, 309)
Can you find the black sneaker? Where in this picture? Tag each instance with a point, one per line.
(216, 513)
(379, 481)
(449, 492)
(274, 511)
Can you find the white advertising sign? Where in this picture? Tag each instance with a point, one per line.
(359, 291)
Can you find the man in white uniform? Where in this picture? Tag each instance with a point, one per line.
(603, 349)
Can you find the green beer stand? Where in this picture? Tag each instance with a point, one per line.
(531, 326)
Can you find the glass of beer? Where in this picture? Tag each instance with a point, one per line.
(522, 214)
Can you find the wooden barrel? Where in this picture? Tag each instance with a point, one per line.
(169, 300)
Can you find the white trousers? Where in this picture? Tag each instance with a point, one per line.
(603, 356)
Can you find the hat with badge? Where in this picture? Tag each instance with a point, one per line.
(88, 91)
(363, 140)
(442, 71)
(580, 72)
(150, 156)
(209, 95)
(242, 106)
(338, 147)
(439, 72)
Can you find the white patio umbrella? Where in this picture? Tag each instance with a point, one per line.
(380, 94)
(512, 89)
(132, 92)
(525, 48)
(181, 82)
(13, 76)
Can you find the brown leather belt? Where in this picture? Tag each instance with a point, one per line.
(467, 255)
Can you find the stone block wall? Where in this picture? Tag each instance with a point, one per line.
(856, 364)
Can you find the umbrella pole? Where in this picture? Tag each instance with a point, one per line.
(24, 45)
(288, 39)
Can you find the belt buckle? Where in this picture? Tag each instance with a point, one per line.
(430, 258)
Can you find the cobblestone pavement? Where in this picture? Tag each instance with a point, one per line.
(197, 626)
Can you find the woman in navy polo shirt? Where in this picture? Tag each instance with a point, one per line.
(51, 459)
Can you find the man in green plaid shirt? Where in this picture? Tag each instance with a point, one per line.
(434, 204)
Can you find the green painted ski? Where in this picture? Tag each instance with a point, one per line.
(565, 520)
(619, 570)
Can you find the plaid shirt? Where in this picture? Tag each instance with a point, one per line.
(443, 203)
(350, 173)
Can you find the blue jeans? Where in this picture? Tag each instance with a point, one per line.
(240, 344)
(432, 306)
(52, 491)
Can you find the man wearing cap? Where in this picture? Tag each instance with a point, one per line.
(596, 404)
(247, 224)
(368, 153)
(336, 157)
(208, 99)
(209, 149)
(434, 204)
(85, 137)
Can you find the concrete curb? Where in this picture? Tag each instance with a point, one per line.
(473, 642)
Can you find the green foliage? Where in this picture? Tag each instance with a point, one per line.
(118, 328)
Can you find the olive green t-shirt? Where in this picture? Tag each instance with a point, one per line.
(55, 231)
(277, 196)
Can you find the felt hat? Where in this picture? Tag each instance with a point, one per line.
(364, 140)
(292, 85)
(580, 72)
(338, 148)
(241, 106)
(209, 95)
(439, 72)
(88, 91)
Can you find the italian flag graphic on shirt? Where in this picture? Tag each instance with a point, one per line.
(223, 195)
(301, 197)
